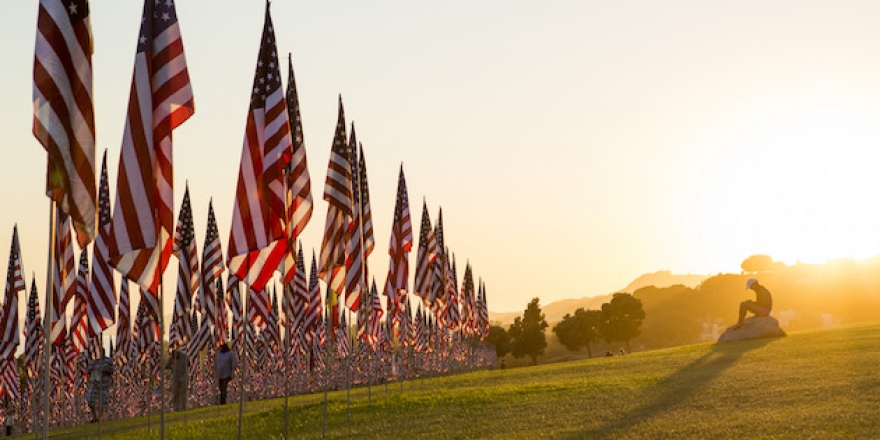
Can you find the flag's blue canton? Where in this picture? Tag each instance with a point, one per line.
(164, 15)
(77, 10)
(267, 78)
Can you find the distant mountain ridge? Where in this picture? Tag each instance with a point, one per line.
(554, 311)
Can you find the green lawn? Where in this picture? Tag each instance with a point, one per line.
(819, 384)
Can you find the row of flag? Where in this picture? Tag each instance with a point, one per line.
(273, 204)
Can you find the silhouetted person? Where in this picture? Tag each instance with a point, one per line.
(178, 363)
(226, 363)
(760, 307)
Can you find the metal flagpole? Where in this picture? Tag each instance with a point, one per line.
(47, 319)
(161, 353)
(245, 331)
(285, 354)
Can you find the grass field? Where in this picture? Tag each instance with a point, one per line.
(819, 384)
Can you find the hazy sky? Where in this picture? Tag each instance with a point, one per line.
(572, 145)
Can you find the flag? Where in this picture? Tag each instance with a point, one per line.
(33, 336)
(235, 306)
(337, 193)
(296, 300)
(160, 100)
(366, 210)
(123, 326)
(483, 315)
(438, 282)
(312, 321)
(376, 313)
(258, 307)
(354, 255)
(451, 311)
(425, 259)
(78, 322)
(102, 292)
(64, 119)
(222, 323)
(9, 313)
(256, 241)
(397, 281)
(299, 187)
(212, 253)
(468, 302)
(187, 274)
(63, 285)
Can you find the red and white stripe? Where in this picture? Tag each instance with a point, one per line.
(64, 120)
(123, 325)
(33, 333)
(312, 322)
(257, 241)
(160, 100)
(78, 322)
(422, 285)
(338, 194)
(354, 255)
(187, 274)
(212, 252)
(299, 187)
(101, 303)
(9, 313)
(397, 281)
(63, 285)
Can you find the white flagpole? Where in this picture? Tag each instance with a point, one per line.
(244, 335)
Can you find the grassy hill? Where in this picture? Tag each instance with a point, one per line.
(817, 384)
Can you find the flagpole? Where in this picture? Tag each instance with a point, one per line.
(161, 354)
(47, 319)
(245, 331)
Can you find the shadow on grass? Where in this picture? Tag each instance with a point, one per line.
(675, 389)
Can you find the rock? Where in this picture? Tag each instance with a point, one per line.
(753, 328)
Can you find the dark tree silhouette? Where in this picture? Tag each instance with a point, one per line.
(579, 330)
(622, 319)
(527, 333)
(500, 339)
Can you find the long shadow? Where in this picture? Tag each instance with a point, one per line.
(678, 387)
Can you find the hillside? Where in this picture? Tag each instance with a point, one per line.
(818, 384)
(554, 311)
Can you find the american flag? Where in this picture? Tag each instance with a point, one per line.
(257, 243)
(63, 284)
(337, 193)
(234, 294)
(376, 313)
(342, 339)
(78, 322)
(296, 300)
(483, 315)
(212, 253)
(259, 307)
(366, 210)
(397, 281)
(160, 100)
(468, 302)
(9, 321)
(451, 311)
(439, 266)
(354, 261)
(33, 333)
(222, 324)
(123, 325)
(425, 259)
(102, 293)
(64, 119)
(299, 186)
(405, 331)
(9, 313)
(187, 274)
(312, 320)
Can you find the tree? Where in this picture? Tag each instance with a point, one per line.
(579, 330)
(500, 339)
(527, 333)
(758, 263)
(622, 319)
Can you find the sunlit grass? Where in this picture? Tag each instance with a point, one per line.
(816, 384)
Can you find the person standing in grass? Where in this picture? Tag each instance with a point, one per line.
(760, 307)
(98, 391)
(226, 363)
(178, 363)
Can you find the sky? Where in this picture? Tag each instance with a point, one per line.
(572, 145)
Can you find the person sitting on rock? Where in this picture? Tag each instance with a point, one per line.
(761, 307)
